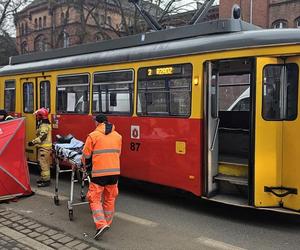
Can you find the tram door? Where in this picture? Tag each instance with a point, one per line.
(277, 151)
(36, 94)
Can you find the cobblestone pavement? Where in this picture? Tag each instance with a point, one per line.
(18, 232)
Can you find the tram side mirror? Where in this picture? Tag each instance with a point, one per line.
(236, 12)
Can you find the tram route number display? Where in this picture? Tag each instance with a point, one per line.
(135, 146)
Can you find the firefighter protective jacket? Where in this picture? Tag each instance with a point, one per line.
(104, 150)
(44, 137)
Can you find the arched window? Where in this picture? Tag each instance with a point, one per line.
(26, 28)
(40, 23)
(24, 48)
(35, 23)
(66, 40)
(40, 43)
(297, 22)
(279, 24)
(22, 29)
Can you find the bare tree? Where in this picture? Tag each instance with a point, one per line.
(8, 8)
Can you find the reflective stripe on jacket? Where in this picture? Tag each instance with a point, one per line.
(44, 137)
(105, 150)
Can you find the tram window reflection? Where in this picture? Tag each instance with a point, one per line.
(280, 92)
(113, 92)
(73, 94)
(165, 90)
(10, 96)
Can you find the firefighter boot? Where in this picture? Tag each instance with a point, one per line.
(43, 184)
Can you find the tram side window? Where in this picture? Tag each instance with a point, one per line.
(165, 90)
(28, 97)
(113, 92)
(45, 94)
(10, 96)
(280, 92)
(73, 94)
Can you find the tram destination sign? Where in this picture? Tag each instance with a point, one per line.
(165, 70)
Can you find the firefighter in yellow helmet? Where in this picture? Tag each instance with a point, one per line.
(44, 144)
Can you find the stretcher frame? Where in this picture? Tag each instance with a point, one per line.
(82, 176)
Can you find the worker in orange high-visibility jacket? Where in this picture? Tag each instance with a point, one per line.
(102, 149)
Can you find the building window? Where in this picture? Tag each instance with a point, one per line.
(73, 94)
(280, 92)
(109, 20)
(102, 19)
(44, 21)
(35, 23)
(24, 48)
(279, 24)
(22, 29)
(66, 40)
(40, 23)
(40, 43)
(10, 96)
(165, 90)
(297, 23)
(26, 28)
(113, 92)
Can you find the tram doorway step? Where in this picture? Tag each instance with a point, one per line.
(236, 180)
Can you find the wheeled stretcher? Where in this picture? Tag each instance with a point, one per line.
(69, 152)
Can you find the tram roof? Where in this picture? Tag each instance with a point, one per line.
(220, 35)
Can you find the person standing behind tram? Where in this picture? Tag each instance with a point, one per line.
(44, 143)
(4, 116)
(102, 149)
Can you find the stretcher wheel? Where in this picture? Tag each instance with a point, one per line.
(56, 200)
(82, 198)
(71, 214)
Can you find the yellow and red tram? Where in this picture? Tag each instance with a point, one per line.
(211, 109)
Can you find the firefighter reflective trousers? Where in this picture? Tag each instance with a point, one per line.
(102, 203)
(44, 158)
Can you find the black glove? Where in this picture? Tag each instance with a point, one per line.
(30, 144)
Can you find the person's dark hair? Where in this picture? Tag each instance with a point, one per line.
(101, 118)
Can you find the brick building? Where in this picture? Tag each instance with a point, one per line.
(265, 13)
(47, 24)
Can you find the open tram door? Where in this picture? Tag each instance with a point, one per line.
(228, 119)
(277, 123)
(35, 94)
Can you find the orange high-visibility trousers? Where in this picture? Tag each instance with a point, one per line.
(102, 203)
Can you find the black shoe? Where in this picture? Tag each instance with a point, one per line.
(100, 232)
(44, 184)
(39, 181)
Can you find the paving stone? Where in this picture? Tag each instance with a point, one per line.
(5, 212)
(34, 234)
(65, 240)
(29, 223)
(34, 226)
(57, 245)
(81, 246)
(42, 238)
(57, 236)
(64, 248)
(15, 225)
(10, 215)
(26, 231)
(16, 218)
(19, 228)
(2, 219)
(50, 232)
(6, 223)
(23, 221)
(93, 248)
(73, 243)
(41, 229)
(48, 242)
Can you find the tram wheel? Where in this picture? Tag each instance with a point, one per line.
(56, 200)
(71, 214)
